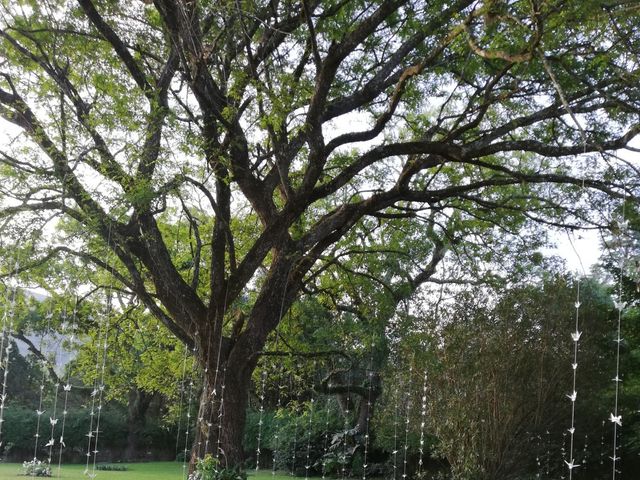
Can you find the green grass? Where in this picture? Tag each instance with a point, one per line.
(142, 471)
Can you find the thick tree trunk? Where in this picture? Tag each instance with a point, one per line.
(138, 406)
(222, 414)
(229, 364)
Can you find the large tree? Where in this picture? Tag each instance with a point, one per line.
(268, 129)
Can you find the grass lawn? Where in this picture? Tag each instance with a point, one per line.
(142, 471)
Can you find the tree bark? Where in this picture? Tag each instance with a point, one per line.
(138, 406)
(222, 412)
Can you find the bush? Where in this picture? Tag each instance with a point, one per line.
(36, 468)
(289, 432)
(111, 467)
(208, 468)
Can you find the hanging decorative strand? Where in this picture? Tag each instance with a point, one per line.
(94, 394)
(214, 392)
(263, 383)
(67, 388)
(548, 454)
(367, 419)
(616, 417)
(221, 414)
(538, 459)
(5, 349)
(43, 363)
(101, 385)
(602, 444)
(423, 417)
(563, 452)
(325, 436)
(585, 452)
(575, 336)
(181, 402)
(396, 405)
(200, 420)
(407, 412)
(346, 427)
(212, 407)
(277, 372)
(53, 418)
(188, 420)
(307, 464)
(276, 436)
(295, 437)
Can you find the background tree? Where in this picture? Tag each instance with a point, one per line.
(230, 120)
(498, 366)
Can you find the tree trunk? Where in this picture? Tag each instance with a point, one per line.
(138, 406)
(229, 365)
(222, 414)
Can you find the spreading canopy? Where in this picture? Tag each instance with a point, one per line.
(266, 130)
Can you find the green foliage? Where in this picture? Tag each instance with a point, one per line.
(111, 467)
(290, 433)
(36, 468)
(206, 180)
(209, 468)
(20, 426)
(497, 372)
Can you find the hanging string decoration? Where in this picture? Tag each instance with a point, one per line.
(423, 418)
(181, 401)
(67, 388)
(396, 412)
(602, 444)
(325, 436)
(407, 412)
(5, 348)
(263, 383)
(221, 413)
(585, 452)
(575, 337)
(276, 435)
(346, 427)
(307, 464)
(53, 421)
(563, 452)
(370, 379)
(615, 417)
(188, 420)
(97, 394)
(40, 410)
(213, 407)
(295, 437)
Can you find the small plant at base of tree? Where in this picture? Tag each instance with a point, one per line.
(36, 468)
(208, 468)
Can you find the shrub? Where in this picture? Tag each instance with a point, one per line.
(208, 468)
(292, 433)
(36, 468)
(111, 467)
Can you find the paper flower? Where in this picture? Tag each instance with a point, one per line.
(619, 304)
(571, 465)
(617, 419)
